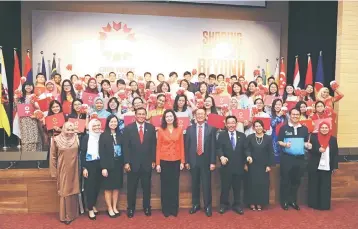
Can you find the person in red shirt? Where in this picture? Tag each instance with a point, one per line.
(170, 160)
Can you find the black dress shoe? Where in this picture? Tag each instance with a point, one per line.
(238, 210)
(130, 213)
(96, 213)
(117, 213)
(223, 209)
(285, 206)
(166, 215)
(208, 212)
(111, 216)
(147, 211)
(295, 206)
(194, 209)
(67, 222)
(92, 218)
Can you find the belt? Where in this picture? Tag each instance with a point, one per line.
(292, 155)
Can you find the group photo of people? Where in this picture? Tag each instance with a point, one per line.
(98, 128)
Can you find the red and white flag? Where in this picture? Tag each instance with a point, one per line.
(296, 75)
(16, 86)
(282, 79)
(309, 74)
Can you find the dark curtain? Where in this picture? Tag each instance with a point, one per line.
(312, 28)
(10, 38)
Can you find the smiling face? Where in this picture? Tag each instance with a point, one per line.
(231, 124)
(236, 89)
(113, 123)
(273, 88)
(208, 103)
(96, 127)
(309, 89)
(258, 128)
(161, 102)
(77, 106)
(92, 84)
(278, 106)
(324, 129)
(29, 88)
(200, 116)
(294, 116)
(203, 88)
(169, 118)
(99, 104)
(181, 102)
(55, 108)
(260, 104)
(113, 105)
(165, 88)
(67, 86)
(289, 90)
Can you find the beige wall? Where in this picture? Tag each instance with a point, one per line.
(346, 72)
(275, 12)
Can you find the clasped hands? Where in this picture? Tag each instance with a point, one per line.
(224, 160)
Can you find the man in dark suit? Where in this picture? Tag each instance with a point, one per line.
(231, 152)
(139, 146)
(200, 160)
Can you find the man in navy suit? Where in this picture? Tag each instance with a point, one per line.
(139, 146)
(200, 160)
(232, 154)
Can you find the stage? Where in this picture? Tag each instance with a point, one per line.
(34, 191)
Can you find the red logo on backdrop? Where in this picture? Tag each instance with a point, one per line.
(221, 100)
(241, 114)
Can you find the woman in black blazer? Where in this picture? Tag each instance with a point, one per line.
(111, 160)
(322, 162)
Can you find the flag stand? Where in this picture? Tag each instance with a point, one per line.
(5, 147)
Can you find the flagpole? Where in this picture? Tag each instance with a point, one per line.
(5, 147)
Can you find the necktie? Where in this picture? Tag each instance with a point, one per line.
(200, 142)
(232, 139)
(141, 133)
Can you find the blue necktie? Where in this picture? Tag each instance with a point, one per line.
(232, 139)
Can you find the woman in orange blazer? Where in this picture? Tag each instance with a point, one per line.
(170, 160)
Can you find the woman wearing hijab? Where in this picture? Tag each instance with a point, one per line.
(111, 160)
(323, 161)
(64, 167)
(100, 109)
(90, 164)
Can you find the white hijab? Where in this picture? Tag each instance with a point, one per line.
(93, 145)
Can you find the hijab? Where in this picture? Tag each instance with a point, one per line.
(323, 140)
(92, 90)
(66, 139)
(101, 113)
(93, 140)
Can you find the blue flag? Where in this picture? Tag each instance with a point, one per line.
(319, 82)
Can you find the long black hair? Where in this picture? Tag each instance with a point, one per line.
(284, 97)
(273, 111)
(109, 101)
(105, 93)
(248, 93)
(165, 124)
(27, 83)
(63, 93)
(298, 106)
(175, 106)
(50, 112)
(109, 118)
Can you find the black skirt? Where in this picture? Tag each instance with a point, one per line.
(114, 180)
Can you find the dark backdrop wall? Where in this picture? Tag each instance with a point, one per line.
(10, 38)
(312, 28)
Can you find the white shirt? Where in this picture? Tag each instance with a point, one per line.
(197, 134)
(173, 89)
(234, 135)
(324, 162)
(138, 126)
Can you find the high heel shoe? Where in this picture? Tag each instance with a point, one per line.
(92, 218)
(111, 216)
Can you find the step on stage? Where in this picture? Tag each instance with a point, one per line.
(34, 191)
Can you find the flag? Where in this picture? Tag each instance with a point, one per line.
(5, 93)
(58, 66)
(309, 74)
(282, 79)
(268, 72)
(4, 120)
(17, 75)
(277, 71)
(16, 86)
(296, 74)
(53, 68)
(28, 68)
(263, 75)
(43, 68)
(319, 82)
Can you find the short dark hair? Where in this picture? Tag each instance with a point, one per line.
(200, 108)
(271, 78)
(121, 81)
(213, 76)
(140, 108)
(111, 73)
(258, 121)
(136, 99)
(202, 74)
(173, 73)
(186, 73)
(164, 123)
(295, 109)
(145, 73)
(229, 117)
(160, 74)
(129, 72)
(220, 75)
(99, 74)
(233, 77)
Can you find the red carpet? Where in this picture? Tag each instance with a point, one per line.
(343, 215)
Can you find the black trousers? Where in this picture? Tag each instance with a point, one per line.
(319, 189)
(201, 172)
(229, 180)
(92, 183)
(169, 186)
(133, 178)
(291, 171)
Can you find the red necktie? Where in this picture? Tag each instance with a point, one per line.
(200, 141)
(141, 134)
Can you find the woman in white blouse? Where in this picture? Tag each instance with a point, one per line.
(259, 113)
(322, 162)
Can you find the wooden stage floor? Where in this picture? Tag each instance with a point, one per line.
(34, 191)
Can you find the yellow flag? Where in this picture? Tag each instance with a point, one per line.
(4, 120)
(268, 72)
